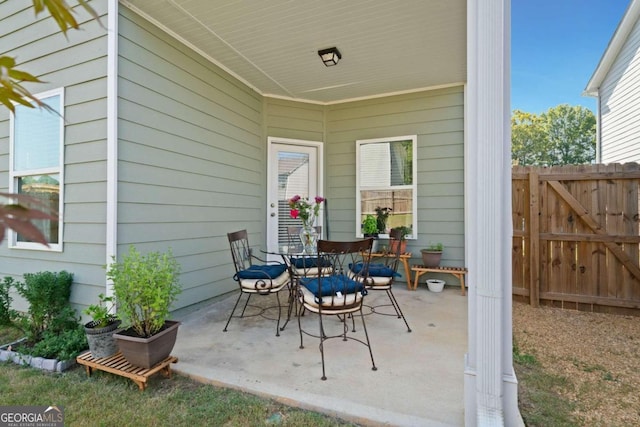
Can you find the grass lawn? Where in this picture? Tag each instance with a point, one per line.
(109, 400)
(539, 399)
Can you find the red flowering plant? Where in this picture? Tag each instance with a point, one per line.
(305, 210)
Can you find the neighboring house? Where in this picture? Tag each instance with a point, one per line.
(616, 85)
(167, 126)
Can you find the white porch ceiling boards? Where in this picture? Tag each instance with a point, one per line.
(387, 46)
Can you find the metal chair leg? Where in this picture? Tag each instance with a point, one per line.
(366, 334)
(233, 311)
(399, 312)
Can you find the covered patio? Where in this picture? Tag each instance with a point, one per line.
(419, 380)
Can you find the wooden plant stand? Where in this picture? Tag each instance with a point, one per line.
(459, 272)
(116, 364)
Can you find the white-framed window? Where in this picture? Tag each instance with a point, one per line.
(36, 158)
(386, 182)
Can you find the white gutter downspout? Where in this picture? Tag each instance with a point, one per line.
(598, 128)
(112, 136)
(490, 383)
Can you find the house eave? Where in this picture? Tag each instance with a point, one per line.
(620, 36)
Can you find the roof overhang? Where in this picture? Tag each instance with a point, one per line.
(387, 46)
(613, 49)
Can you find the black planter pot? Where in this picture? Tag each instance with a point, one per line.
(101, 341)
(146, 352)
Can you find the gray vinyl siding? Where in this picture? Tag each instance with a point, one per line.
(437, 118)
(191, 157)
(295, 120)
(77, 64)
(620, 105)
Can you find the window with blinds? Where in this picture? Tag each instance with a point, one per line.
(36, 163)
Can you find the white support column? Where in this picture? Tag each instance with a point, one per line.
(112, 136)
(490, 384)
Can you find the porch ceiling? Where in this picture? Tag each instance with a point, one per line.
(387, 46)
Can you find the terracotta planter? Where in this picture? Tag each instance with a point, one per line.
(394, 244)
(101, 341)
(431, 258)
(146, 352)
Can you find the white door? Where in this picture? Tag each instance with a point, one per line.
(294, 167)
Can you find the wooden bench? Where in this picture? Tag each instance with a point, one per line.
(117, 364)
(458, 272)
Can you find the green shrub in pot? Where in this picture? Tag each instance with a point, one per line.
(145, 287)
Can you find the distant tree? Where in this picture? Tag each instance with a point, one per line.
(563, 135)
(527, 138)
(18, 215)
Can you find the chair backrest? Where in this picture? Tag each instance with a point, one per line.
(240, 249)
(337, 288)
(393, 255)
(294, 244)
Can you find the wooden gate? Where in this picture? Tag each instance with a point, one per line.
(576, 236)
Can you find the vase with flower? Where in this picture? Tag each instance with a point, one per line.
(307, 212)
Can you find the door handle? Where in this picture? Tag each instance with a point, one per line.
(273, 214)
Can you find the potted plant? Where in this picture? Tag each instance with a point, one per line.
(370, 229)
(382, 214)
(144, 287)
(404, 232)
(100, 329)
(431, 255)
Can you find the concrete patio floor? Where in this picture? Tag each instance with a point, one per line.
(419, 381)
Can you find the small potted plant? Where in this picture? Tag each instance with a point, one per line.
(432, 254)
(101, 328)
(370, 229)
(145, 287)
(404, 232)
(382, 215)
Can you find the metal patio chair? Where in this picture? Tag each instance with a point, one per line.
(338, 293)
(256, 276)
(382, 274)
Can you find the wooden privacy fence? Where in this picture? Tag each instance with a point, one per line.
(576, 236)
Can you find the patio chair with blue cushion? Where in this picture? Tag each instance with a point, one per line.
(382, 274)
(337, 293)
(256, 276)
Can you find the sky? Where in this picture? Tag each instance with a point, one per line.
(556, 46)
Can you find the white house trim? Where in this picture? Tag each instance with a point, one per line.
(112, 135)
(490, 383)
(613, 49)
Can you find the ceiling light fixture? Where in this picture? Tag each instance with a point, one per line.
(330, 56)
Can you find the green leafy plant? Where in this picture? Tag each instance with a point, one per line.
(7, 315)
(370, 226)
(101, 313)
(145, 286)
(62, 345)
(382, 215)
(50, 324)
(404, 231)
(48, 296)
(435, 247)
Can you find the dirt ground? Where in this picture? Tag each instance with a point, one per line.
(599, 354)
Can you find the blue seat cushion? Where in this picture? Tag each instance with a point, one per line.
(330, 285)
(266, 271)
(375, 269)
(309, 262)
